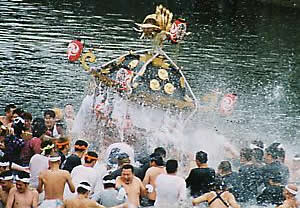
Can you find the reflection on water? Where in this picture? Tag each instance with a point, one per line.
(247, 49)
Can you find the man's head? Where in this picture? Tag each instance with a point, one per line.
(63, 144)
(38, 127)
(22, 181)
(81, 146)
(290, 191)
(108, 181)
(9, 111)
(127, 173)
(54, 159)
(245, 155)
(123, 158)
(47, 147)
(6, 180)
(156, 160)
(28, 119)
(274, 152)
(18, 112)
(84, 188)
(171, 166)
(49, 116)
(18, 126)
(161, 151)
(201, 157)
(224, 168)
(4, 164)
(69, 111)
(91, 158)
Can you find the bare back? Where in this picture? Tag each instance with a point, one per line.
(54, 183)
(226, 199)
(150, 178)
(81, 203)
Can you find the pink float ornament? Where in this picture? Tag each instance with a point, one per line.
(178, 30)
(227, 104)
(74, 51)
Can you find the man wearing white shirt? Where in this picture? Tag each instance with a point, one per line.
(170, 188)
(84, 172)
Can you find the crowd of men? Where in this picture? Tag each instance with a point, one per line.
(37, 169)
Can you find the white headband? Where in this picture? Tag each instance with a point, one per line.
(54, 159)
(296, 158)
(48, 147)
(4, 164)
(294, 192)
(85, 187)
(24, 180)
(113, 181)
(7, 178)
(253, 146)
(280, 146)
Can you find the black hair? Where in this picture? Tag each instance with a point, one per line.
(27, 116)
(171, 166)
(108, 178)
(19, 112)
(258, 143)
(201, 157)
(9, 107)
(161, 151)
(92, 154)
(81, 190)
(157, 158)
(225, 166)
(258, 154)
(44, 144)
(6, 173)
(80, 143)
(275, 152)
(60, 141)
(246, 153)
(51, 113)
(38, 127)
(23, 174)
(18, 126)
(128, 166)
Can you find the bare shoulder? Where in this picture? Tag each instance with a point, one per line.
(34, 192)
(65, 172)
(12, 190)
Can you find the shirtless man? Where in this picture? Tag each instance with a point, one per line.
(133, 185)
(7, 119)
(157, 168)
(6, 182)
(82, 199)
(53, 181)
(218, 198)
(290, 192)
(21, 196)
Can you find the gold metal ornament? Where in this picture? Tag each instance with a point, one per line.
(89, 57)
(163, 74)
(154, 85)
(132, 64)
(169, 88)
(181, 82)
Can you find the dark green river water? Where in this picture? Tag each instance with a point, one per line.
(246, 48)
